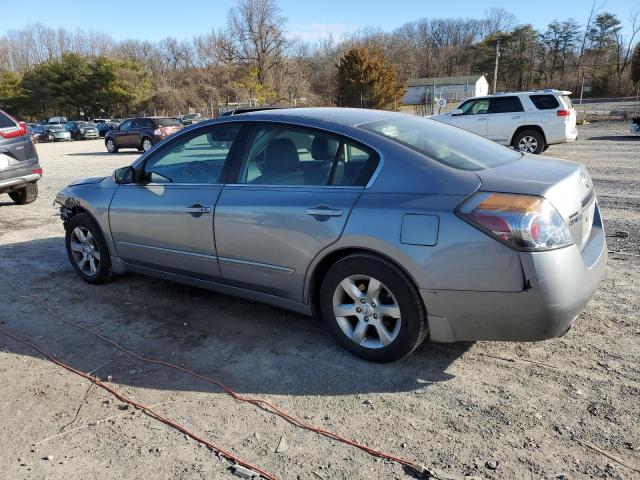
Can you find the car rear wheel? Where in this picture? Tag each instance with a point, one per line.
(529, 141)
(111, 146)
(87, 250)
(146, 144)
(49, 137)
(372, 308)
(25, 195)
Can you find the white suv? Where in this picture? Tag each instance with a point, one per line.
(527, 121)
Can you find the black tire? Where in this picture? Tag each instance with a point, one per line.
(529, 141)
(49, 137)
(111, 145)
(146, 141)
(413, 326)
(25, 195)
(103, 268)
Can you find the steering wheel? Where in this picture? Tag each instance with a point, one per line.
(197, 172)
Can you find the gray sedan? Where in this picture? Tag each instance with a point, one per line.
(392, 227)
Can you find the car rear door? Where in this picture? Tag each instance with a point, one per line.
(506, 114)
(165, 221)
(293, 193)
(474, 117)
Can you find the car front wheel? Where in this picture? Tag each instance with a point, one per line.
(372, 308)
(111, 146)
(87, 250)
(146, 144)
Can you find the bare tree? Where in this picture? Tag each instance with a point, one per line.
(257, 30)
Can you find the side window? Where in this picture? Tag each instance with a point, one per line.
(147, 123)
(506, 105)
(544, 102)
(126, 125)
(291, 156)
(137, 123)
(475, 107)
(195, 158)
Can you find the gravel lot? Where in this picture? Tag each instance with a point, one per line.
(541, 411)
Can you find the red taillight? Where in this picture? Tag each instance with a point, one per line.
(16, 131)
(37, 171)
(563, 113)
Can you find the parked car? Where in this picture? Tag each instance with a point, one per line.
(635, 125)
(105, 126)
(81, 130)
(55, 133)
(527, 121)
(394, 227)
(56, 120)
(19, 165)
(35, 131)
(141, 133)
(191, 118)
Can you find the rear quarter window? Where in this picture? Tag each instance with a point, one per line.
(545, 102)
(167, 122)
(5, 121)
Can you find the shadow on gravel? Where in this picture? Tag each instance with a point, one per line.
(103, 154)
(617, 138)
(252, 347)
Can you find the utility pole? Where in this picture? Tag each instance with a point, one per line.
(495, 71)
(635, 107)
(582, 88)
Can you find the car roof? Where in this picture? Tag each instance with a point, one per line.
(344, 116)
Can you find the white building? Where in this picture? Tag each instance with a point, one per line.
(421, 91)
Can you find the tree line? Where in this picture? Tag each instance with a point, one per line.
(254, 60)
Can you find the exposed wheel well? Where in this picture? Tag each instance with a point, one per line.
(536, 128)
(322, 268)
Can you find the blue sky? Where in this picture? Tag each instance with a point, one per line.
(156, 19)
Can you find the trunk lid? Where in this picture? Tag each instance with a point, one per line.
(567, 185)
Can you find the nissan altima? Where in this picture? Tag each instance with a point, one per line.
(393, 228)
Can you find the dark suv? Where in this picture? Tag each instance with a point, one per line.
(141, 133)
(19, 164)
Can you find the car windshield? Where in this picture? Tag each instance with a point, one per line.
(56, 128)
(448, 145)
(85, 124)
(167, 122)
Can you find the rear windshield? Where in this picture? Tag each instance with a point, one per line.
(544, 102)
(167, 122)
(448, 145)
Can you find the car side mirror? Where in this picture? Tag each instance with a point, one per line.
(124, 175)
(456, 112)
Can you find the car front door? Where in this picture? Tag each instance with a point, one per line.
(474, 116)
(506, 114)
(165, 222)
(121, 133)
(133, 135)
(293, 194)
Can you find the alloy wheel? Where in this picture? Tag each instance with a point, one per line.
(110, 145)
(528, 144)
(85, 251)
(146, 144)
(366, 311)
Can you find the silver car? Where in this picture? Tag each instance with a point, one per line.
(393, 227)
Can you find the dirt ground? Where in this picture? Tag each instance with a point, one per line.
(543, 410)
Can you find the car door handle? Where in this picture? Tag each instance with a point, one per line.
(515, 117)
(324, 212)
(482, 119)
(197, 208)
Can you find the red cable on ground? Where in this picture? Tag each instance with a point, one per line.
(418, 467)
(152, 413)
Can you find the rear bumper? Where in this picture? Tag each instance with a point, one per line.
(18, 182)
(560, 283)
